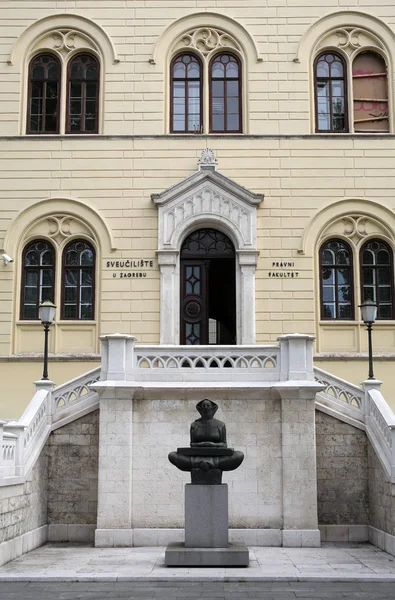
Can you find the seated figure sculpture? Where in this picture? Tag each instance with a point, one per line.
(208, 454)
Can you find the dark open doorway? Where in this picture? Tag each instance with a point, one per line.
(208, 289)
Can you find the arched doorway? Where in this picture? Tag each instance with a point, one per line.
(208, 289)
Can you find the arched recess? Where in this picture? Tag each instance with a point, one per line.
(41, 31)
(66, 209)
(347, 33)
(186, 26)
(357, 219)
(354, 221)
(64, 36)
(59, 221)
(207, 199)
(206, 34)
(338, 21)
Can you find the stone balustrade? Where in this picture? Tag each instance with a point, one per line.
(124, 361)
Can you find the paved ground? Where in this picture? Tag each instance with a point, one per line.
(183, 590)
(71, 572)
(62, 562)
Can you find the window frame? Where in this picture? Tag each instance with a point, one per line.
(240, 96)
(375, 267)
(346, 86)
(39, 268)
(29, 94)
(63, 287)
(336, 267)
(387, 84)
(201, 88)
(84, 81)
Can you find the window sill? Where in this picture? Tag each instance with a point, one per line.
(379, 322)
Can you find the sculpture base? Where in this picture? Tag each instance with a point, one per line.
(206, 516)
(235, 555)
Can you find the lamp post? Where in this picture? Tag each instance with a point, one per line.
(46, 313)
(369, 314)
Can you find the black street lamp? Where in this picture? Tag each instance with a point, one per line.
(46, 313)
(369, 314)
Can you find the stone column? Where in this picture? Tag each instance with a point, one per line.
(246, 296)
(300, 526)
(114, 511)
(297, 392)
(169, 296)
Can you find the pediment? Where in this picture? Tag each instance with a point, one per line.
(207, 197)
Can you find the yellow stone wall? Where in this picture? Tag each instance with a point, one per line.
(105, 181)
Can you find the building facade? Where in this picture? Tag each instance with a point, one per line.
(195, 173)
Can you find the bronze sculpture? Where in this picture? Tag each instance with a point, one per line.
(208, 455)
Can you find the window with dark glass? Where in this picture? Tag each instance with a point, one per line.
(78, 281)
(44, 93)
(336, 281)
(330, 93)
(83, 94)
(225, 94)
(37, 277)
(370, 93)
(186, 94)
(377, 277)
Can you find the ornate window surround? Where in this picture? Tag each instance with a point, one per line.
(59, 221)
(205, 34)
(347, 33)
(356, 221)
(64, 36)
(207, 198)
(206, 43)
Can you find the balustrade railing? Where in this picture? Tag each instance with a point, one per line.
(380, 422)
(70, 397)
(206, 363)
(346, 397)
(122, 361)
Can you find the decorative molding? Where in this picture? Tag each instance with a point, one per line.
(356, 227)
(81, 215)
(63, 32)
(349, 39)
(205, 32)
(64, 41)
(207, 159)
(211, 197)
(378, 32)
(206, 40)
(60, 227)
(207, 198)
(380, 220)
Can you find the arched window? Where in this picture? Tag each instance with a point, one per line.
(186, 94)
(336, 278)
(370, 93)
(377, 277)
(43, 95)
(225, 94)
(78, 278)
(330, 93)
(83, 94)
(38, 277)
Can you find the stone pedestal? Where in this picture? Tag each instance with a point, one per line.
(206, 531)
(206, 516)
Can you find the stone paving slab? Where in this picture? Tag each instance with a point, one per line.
(177, 590)
(82, 563)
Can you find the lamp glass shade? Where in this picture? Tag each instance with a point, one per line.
(46, 312)
(369, 311)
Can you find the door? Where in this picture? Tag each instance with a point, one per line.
(208, 289)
